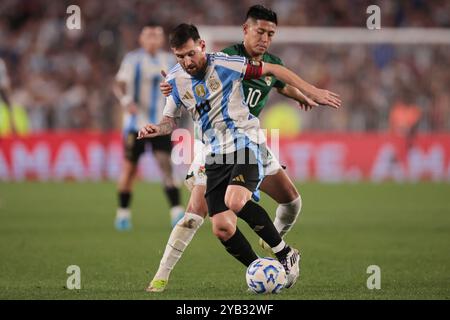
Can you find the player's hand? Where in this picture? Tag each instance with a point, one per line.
(149, 131)
(304, 106)
(165, 87)
(132, 108)
(306, 103)
(326, 97)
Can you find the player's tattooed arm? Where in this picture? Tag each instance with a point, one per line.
(320, 96)
(165, 127)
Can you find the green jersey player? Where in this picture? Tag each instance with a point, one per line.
(257, 91)
(259, 28)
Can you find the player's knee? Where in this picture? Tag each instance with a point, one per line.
(224, 230)
(125, 184)
(235, 204)
(168, 181)
(127, 177)
(223, 235)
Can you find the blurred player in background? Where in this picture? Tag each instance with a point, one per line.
(404, 120)
(259, 29)
(137, 88)
(5, 98)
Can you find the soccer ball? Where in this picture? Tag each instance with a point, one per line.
(265, 275)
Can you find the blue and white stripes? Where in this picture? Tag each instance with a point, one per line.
(140, 72)
(227, 125)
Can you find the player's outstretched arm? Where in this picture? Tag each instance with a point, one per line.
(165, 127)
(304, 102)
(318, 95)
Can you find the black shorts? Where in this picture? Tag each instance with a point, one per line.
(221, 173)
(135, 148)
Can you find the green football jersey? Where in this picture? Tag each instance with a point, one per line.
(257, 91)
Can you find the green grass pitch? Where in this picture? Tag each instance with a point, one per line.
(344, 228)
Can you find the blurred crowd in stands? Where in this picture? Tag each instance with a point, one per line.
(64, 77)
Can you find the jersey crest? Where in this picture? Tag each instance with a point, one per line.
(200, 90)
(213, 84)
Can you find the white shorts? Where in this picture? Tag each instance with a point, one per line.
(272, 165)
(196, 174)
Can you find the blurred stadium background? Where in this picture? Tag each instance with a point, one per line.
(393, 129)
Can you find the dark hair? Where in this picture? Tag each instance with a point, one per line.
(151, 24)
(259, 12)
(182, 33)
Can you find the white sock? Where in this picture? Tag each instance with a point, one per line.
(279, 247)
(123, 213)
(179, 239)
(286, 215)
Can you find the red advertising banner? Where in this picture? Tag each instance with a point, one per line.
(327, 157)
(366, 156)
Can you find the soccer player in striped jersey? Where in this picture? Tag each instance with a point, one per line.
(209, 87)
(137, 88)
(259, 29)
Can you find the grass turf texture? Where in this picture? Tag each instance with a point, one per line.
(344, 228)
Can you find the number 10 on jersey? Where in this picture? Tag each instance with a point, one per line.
(253, 97)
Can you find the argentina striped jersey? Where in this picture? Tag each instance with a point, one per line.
(216, 103)
(141, 73)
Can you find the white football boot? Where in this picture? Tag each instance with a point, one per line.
(291, 265)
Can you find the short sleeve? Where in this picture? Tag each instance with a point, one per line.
(173, 102)
(125, 73)
(279, 84)
(235, 65)
(172, 109)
